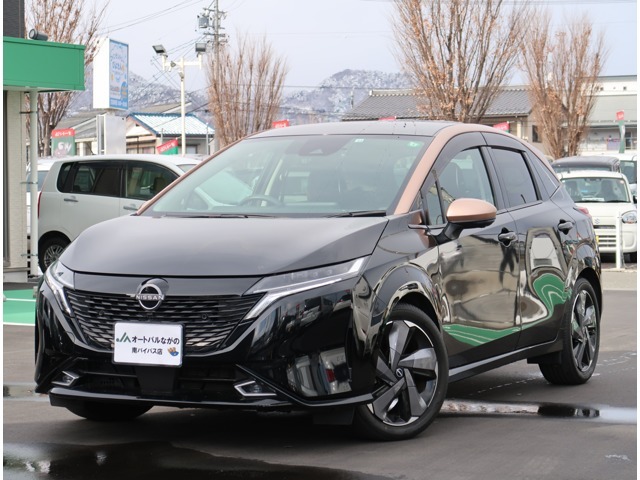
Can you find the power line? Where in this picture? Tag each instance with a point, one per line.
(146, 18)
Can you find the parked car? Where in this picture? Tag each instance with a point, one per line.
(82, 191)
(623, 162)
(607, 196)
(44, 164)
(587, 162)
(352, 269)
(629, 166)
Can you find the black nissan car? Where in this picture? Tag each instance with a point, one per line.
(349, 269)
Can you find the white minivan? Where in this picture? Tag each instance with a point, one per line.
(79, 192)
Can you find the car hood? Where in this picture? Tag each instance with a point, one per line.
(215, 247)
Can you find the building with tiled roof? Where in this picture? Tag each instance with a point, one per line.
(512, 110)
(147, 131)
(144, 131)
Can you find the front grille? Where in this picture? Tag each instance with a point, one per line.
(207, 321)
(606, 236)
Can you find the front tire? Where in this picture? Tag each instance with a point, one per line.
(412, 374)
(106, 412)
(581, 339)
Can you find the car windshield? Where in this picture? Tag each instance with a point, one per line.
(597, 190)
(318, 175)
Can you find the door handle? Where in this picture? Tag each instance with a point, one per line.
(130, 207)
(507, 237)
(70, 199)
(564, 227)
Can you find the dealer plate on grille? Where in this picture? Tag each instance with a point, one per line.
(148, 344)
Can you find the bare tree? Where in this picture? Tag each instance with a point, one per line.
(458, 53)
(245, 89)
(562, 69)
(65, 21)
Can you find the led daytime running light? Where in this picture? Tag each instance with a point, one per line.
(58, 277)
(280, 286)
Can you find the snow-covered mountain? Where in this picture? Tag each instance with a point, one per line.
(337, 95)
(327, 102)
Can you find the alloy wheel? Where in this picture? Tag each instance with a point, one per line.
(407, 366)
(52, 253)
(584, 331)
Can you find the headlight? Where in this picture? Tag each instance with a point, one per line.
(630, 217)
(57, 277)
(280, 286)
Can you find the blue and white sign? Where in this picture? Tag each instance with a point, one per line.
(111, 75)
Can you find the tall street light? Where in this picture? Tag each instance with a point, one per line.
(167, 66)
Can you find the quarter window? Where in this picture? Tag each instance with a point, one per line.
(90, 179)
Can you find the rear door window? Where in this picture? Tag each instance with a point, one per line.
(144, 180)
(515, 177)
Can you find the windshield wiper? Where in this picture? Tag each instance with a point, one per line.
(218, 215)
(360, 213)
(588, 200)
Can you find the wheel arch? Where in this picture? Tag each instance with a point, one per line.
(52, 234)
(423, 303)
(590, 275)
(408, 284)
(44, 243)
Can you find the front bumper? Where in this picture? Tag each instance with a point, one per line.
(607, 238)
(300, 353)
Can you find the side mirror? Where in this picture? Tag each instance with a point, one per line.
(463, 213)
(466, 213)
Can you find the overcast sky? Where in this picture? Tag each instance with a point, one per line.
(319, 38)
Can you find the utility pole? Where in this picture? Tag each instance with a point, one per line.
(168, 65)
(210, 22)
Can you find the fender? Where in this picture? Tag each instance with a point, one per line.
(585, 262)
(397, 284)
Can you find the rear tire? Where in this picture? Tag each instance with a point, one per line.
(107, 412)
(412, 374)
(581, 339)
(50, 249)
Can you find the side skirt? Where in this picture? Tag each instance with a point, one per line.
(472, 369)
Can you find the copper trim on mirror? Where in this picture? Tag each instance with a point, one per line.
(465, 210)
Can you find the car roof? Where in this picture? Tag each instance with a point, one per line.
(586, 160)
(171, 161)
(591, 174)
(44, 163)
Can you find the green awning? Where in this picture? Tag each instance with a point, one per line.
(43, 66)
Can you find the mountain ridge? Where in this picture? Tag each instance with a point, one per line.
(335, 95)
